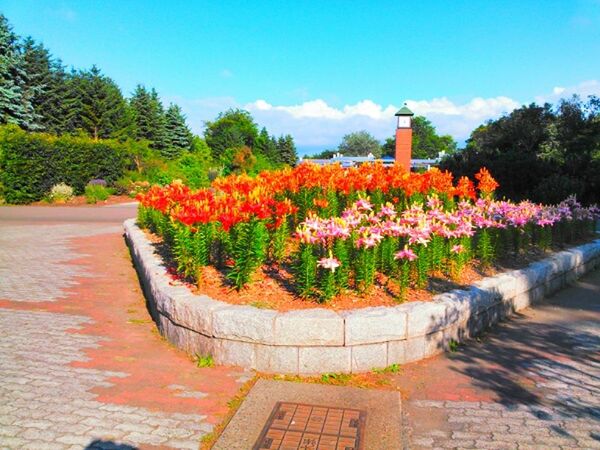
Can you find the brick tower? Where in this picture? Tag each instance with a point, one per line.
(404, 137)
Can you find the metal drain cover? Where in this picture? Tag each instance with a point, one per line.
(298, 426)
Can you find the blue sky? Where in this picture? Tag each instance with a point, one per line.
(318, 70)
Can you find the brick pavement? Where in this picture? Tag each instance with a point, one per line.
(532, 383)
(81, 364)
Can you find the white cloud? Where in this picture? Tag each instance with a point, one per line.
(317, 123)
(583, 89)
(226, 73)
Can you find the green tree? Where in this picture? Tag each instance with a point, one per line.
(233, 128)
(178, 136)
(286, 150)
(543, 153)
(148, 116)
(46, 85)
(266, 146)
(360, 143)
(15, 100)
(102, 106)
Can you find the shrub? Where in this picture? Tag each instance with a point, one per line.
(34, 162)
(60, 193)
(95, 193)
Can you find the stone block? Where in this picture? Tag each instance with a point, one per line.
(277, 359)
(234, 353)
(396, 352)
(244, 323)
(481, 299)
(501, 286)
(555, 284)
(373, 325)
(369, 356)
(309, 327)
(314, 360)
(458, 306)
(196, 312)
(420, 347)
(425, 317)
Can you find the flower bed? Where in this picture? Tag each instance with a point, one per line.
(345, 230)
(319, 340)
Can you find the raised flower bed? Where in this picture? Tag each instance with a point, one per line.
(339, 231)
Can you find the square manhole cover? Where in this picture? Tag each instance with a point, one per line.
(297, 426)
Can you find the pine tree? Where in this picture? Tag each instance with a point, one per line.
(15, 103)
(178, 136)
(286, 150)
(148, 117)
(266, 146)
(45, 86)
(102, 104)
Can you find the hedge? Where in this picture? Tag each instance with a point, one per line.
(31, 163)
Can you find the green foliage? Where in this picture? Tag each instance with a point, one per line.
(365, 268)
(306, 270)
(95, 193)
(403, 279)
(485, 248)
(393, 368)
(543, 153)
(279, 239)
(204, 361)
(422, 266)
(249, 250)
(328, 284)
(360, 143)
(335, 378)
(178, 137)
(341, 252)
(15, 100)
(33, 162)
(232, 129)
(148, 116)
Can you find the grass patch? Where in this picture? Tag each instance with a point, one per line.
(204, 361)
(394, 368)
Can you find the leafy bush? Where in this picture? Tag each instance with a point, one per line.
(95, 193)
(34, 162)
(60, 193)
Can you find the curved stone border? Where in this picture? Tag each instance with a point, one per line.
(319, 340)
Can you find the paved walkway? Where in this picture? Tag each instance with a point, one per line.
(81, 364)
(533, 382)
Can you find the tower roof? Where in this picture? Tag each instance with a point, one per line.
(404, 111)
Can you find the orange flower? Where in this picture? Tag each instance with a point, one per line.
(486, 183)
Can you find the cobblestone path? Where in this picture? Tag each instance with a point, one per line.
(81, 365)
(532, 383)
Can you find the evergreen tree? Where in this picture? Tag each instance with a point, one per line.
(148, 116)
(102, 107)
(266, 146)
(15, 102)
(178, 136)
(46, 86)
(286, 150)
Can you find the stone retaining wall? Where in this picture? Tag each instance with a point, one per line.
(318, 340)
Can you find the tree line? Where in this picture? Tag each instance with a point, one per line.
(39, 94)
(539, 152)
